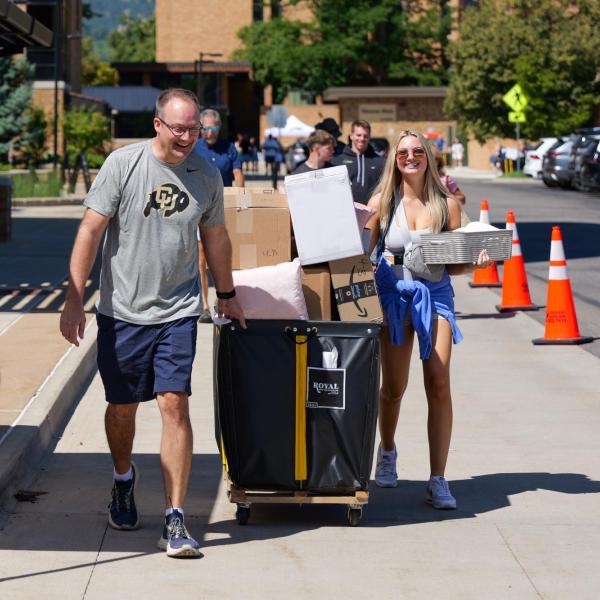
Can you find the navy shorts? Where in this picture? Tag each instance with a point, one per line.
(137, 362)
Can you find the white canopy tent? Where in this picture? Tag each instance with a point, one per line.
(294, 127)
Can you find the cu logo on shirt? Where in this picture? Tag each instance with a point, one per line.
(167, 198)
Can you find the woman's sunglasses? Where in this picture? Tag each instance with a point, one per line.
(417, 152)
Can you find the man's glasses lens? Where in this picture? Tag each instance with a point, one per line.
(416, 152)
(213, 129)
(179, 131)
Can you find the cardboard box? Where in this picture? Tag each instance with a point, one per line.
(323, 215)
(258, 222)
(354, 289)
(316, 285)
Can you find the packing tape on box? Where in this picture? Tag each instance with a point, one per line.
(248, 256)
(244, 221)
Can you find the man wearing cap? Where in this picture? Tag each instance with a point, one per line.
(363, 164)
(331, 127)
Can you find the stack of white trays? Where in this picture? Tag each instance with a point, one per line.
(458, 247)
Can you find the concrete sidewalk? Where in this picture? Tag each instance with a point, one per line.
(524, 466)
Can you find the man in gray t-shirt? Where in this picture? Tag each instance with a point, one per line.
(150, 198)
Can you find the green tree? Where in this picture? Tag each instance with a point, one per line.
(33, 139)
(550, 47)
(86, 131)
(15, 96)
(377, 42)
(134, 40)
(94, 70)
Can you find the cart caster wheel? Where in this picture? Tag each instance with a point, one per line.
(354, 516)
(242, 514)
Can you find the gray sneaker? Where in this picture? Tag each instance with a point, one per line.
(175, 538)
(438, 494)
(385, 471)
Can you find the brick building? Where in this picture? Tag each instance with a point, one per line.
(58, 67)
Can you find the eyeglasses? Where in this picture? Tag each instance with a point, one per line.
(212, 129)
(178, 130)
(417, 152)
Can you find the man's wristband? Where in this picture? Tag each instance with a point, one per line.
(226, 295)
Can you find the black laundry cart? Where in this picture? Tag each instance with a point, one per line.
(291, 425)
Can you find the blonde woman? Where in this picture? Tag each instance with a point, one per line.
(410, 199)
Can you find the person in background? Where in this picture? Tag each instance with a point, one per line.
(146, 204)
(245, 155)
(273, 157)
(223, 155)
(447, 181)
(458, 153)
(331, 127)
(253, 154)
(410, 200)
(321, 146)
(363, 164)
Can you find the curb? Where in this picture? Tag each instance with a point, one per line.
(50, 201)
(46, 415)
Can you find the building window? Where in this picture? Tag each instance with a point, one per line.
(257, 11)
(300, 97)
(275, 9)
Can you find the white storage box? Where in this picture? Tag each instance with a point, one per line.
(457, 247)
(323, 215)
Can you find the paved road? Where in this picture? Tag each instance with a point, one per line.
(524, 464)
(537, 208)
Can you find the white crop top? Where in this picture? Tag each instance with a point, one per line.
(400, 237)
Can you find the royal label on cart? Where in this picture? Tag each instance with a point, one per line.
(326, 388)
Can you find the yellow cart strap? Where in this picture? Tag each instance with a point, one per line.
(224, 456)
(301, 469)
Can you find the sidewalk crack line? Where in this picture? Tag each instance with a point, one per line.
(539, 595)
(87, 585)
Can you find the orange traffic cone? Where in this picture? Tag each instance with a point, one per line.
(487, 277)
(515, 290)
(561, 320)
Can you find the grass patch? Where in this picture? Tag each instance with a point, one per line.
(514, 175)
(29, 185)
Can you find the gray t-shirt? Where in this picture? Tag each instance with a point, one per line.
(150, 255)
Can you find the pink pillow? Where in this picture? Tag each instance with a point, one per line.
(273, 292)
(363, 214)
(449, 183)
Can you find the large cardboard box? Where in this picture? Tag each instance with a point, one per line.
(258, 222)
(323, 215)
(316, 285)
(354, 289)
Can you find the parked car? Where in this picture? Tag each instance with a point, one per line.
(593, 168)
(297, 153)
(535, 156)
(582, 154)
(556, 164)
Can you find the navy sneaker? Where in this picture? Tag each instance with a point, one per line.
(175, 538)
(122, 512)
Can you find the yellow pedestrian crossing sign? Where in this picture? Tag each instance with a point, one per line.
(516, 99)
(516, 117)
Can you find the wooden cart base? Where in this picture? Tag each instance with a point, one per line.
(244, 498)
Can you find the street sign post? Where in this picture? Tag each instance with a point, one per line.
(515, 98)
(517, 117)
(516, 101)
(277, 116)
